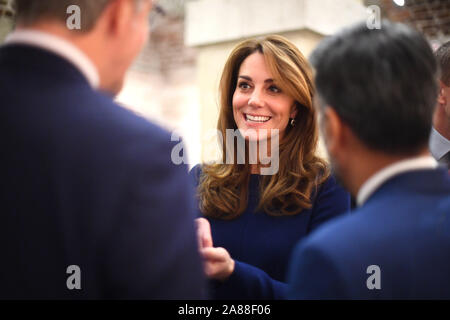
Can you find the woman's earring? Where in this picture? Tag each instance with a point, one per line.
(293, 122)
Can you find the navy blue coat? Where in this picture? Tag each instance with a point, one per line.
(403, 229)
(261, 244)
(85, 182)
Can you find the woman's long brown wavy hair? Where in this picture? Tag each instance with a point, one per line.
(223, 188)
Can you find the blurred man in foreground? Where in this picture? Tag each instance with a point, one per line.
(92, 206)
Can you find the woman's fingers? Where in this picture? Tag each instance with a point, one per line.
(204, 233)
(217, 263)
(214, 254)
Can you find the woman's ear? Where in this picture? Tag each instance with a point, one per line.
(294, 111)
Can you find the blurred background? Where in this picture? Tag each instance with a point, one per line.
(174, 81)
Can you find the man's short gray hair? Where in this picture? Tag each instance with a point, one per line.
(31, 11)
(443, 57)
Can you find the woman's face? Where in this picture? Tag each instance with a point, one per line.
(258, 103)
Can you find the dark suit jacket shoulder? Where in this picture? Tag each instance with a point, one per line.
(403, 230)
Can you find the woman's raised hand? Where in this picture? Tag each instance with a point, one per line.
(217, 262)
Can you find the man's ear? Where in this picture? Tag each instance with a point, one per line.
(333, 130)
(119, 15)
(442, 98)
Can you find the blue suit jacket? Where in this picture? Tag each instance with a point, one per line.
(85, 182)
(403, 228)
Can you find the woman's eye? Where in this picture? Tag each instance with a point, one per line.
(274, 89)
(244, 85)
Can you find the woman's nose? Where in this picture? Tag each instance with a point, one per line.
(256, 99)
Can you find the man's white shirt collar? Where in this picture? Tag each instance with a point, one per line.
(439, 145)
(60, 47)
(376, 180)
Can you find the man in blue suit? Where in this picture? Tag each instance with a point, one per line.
(91, 205)
(377, 90)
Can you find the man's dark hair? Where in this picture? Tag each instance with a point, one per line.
(31, 11)
(382, 83)
(443, 58)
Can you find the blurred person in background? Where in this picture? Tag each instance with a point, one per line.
(92, 206)
(440, 133)
(251, 221)
(377, 91)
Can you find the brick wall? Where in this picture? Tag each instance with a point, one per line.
(166, 52)
(431, 17)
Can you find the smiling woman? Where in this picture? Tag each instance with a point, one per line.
(266, 83)
(258, 103)
(253, 221)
